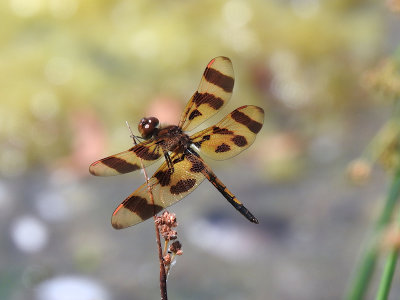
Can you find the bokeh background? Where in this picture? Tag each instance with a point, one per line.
(72, 72)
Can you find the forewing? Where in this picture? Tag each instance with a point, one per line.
(233, 134)
(168, 187)
(127, 161)
(214, 91)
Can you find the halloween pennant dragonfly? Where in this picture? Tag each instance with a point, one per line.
(183, 169)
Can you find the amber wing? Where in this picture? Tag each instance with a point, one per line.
(214, 91)
(233, 134)
(167, 185)
(127, 161)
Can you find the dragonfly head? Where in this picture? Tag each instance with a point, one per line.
(147, 126)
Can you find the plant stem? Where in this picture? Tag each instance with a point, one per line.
(391, 201)
(366, 267)
(387, 276)
(163, 273)
(163, 276)
(388, 272)
(363, 274)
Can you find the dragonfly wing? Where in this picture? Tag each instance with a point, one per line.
(233, 134)
(214, 91)
(168, 186)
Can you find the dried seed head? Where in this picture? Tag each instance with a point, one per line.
(158, 220)
(175, 247)
(164, 231)
(172, 235)
(390, 157)
(359, 171)
(394, 5)
(165, 223)
(171, 220)
(391, 238)
(385, 78)
(167, 260)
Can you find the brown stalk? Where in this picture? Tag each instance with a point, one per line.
(163, 275)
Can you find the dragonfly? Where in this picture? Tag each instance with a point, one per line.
(183, 168)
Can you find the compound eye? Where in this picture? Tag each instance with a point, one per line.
(147, 126)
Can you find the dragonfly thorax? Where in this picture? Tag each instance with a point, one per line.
(172, 138)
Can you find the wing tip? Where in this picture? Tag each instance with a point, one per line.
(222, 57)
(218, 58)
(117, 209)
(259, 109)
(92, 168)
(117, 226)
(120, 221)
(211, 62)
